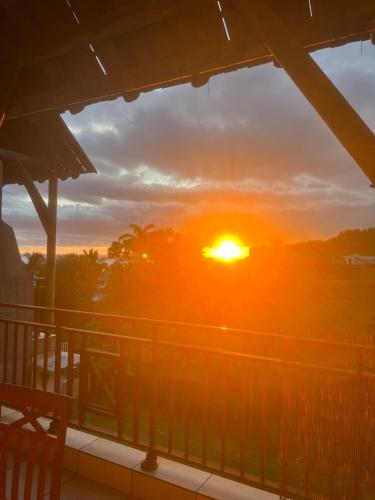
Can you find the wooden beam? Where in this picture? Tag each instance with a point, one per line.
(341, 118)
(12, 156)
(51, 240)
(38, 202)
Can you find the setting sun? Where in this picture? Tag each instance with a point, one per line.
(227, 249)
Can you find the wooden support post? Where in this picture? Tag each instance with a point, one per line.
(341, 118)
(51, 240)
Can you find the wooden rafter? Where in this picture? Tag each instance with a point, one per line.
(38, 202)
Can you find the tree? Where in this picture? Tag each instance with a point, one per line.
(78, 279)
(35, 263)
(132, 248)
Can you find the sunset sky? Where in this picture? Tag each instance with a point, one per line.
(245, 150)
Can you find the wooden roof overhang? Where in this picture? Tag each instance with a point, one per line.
(42, 145)
(65, 54)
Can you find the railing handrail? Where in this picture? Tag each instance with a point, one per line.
(182, 324)
(198, 348)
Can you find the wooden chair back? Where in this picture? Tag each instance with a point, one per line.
(31, 455)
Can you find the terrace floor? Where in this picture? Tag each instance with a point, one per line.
(93, 465)
(74, 487)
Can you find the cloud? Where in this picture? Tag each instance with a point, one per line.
(247, 141)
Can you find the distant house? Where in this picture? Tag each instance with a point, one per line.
(359, 260)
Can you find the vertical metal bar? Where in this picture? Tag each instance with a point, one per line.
(5, 360)
(24, 354)
(262, 426)
(83, 379)
(284, 430)
(58, 323)
(70, 367)
(171, 400)
(244, 405)
(205, 403)
(35, 356)
(150, 462)
(309, 429)
(45, 359)
(15, 354)
(223, 411)
(137, 391)
(187, 396)
(120, 399)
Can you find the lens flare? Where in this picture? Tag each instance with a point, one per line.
(227, 249)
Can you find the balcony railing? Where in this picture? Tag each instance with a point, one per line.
(293, 416)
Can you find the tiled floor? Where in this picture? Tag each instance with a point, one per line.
(80, 488)
(75, 487)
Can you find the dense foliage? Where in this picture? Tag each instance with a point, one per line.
(304, 289)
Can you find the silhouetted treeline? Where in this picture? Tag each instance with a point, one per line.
(302, 289)
(351, 241)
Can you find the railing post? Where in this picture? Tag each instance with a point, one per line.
(83, 379)
(150, 462)
(58, 325)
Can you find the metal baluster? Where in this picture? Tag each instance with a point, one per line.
(187, 397)
(223, 412)
(244, 408)
(284, 429)
(150, 462)
(5, 356)
(262, 426)
(171, 400)
(83, 380)
(24, 354)
(45, 359)
(70, 370)
(58, 324)
(120, 403)
(35, 356)
(15, 354)
(137, 391)
(206, 398)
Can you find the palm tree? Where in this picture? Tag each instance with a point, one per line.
(131, 247)
(138, 232)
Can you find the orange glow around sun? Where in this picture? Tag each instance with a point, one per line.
(227, 249)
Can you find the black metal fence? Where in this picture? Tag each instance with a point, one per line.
(294, 416)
